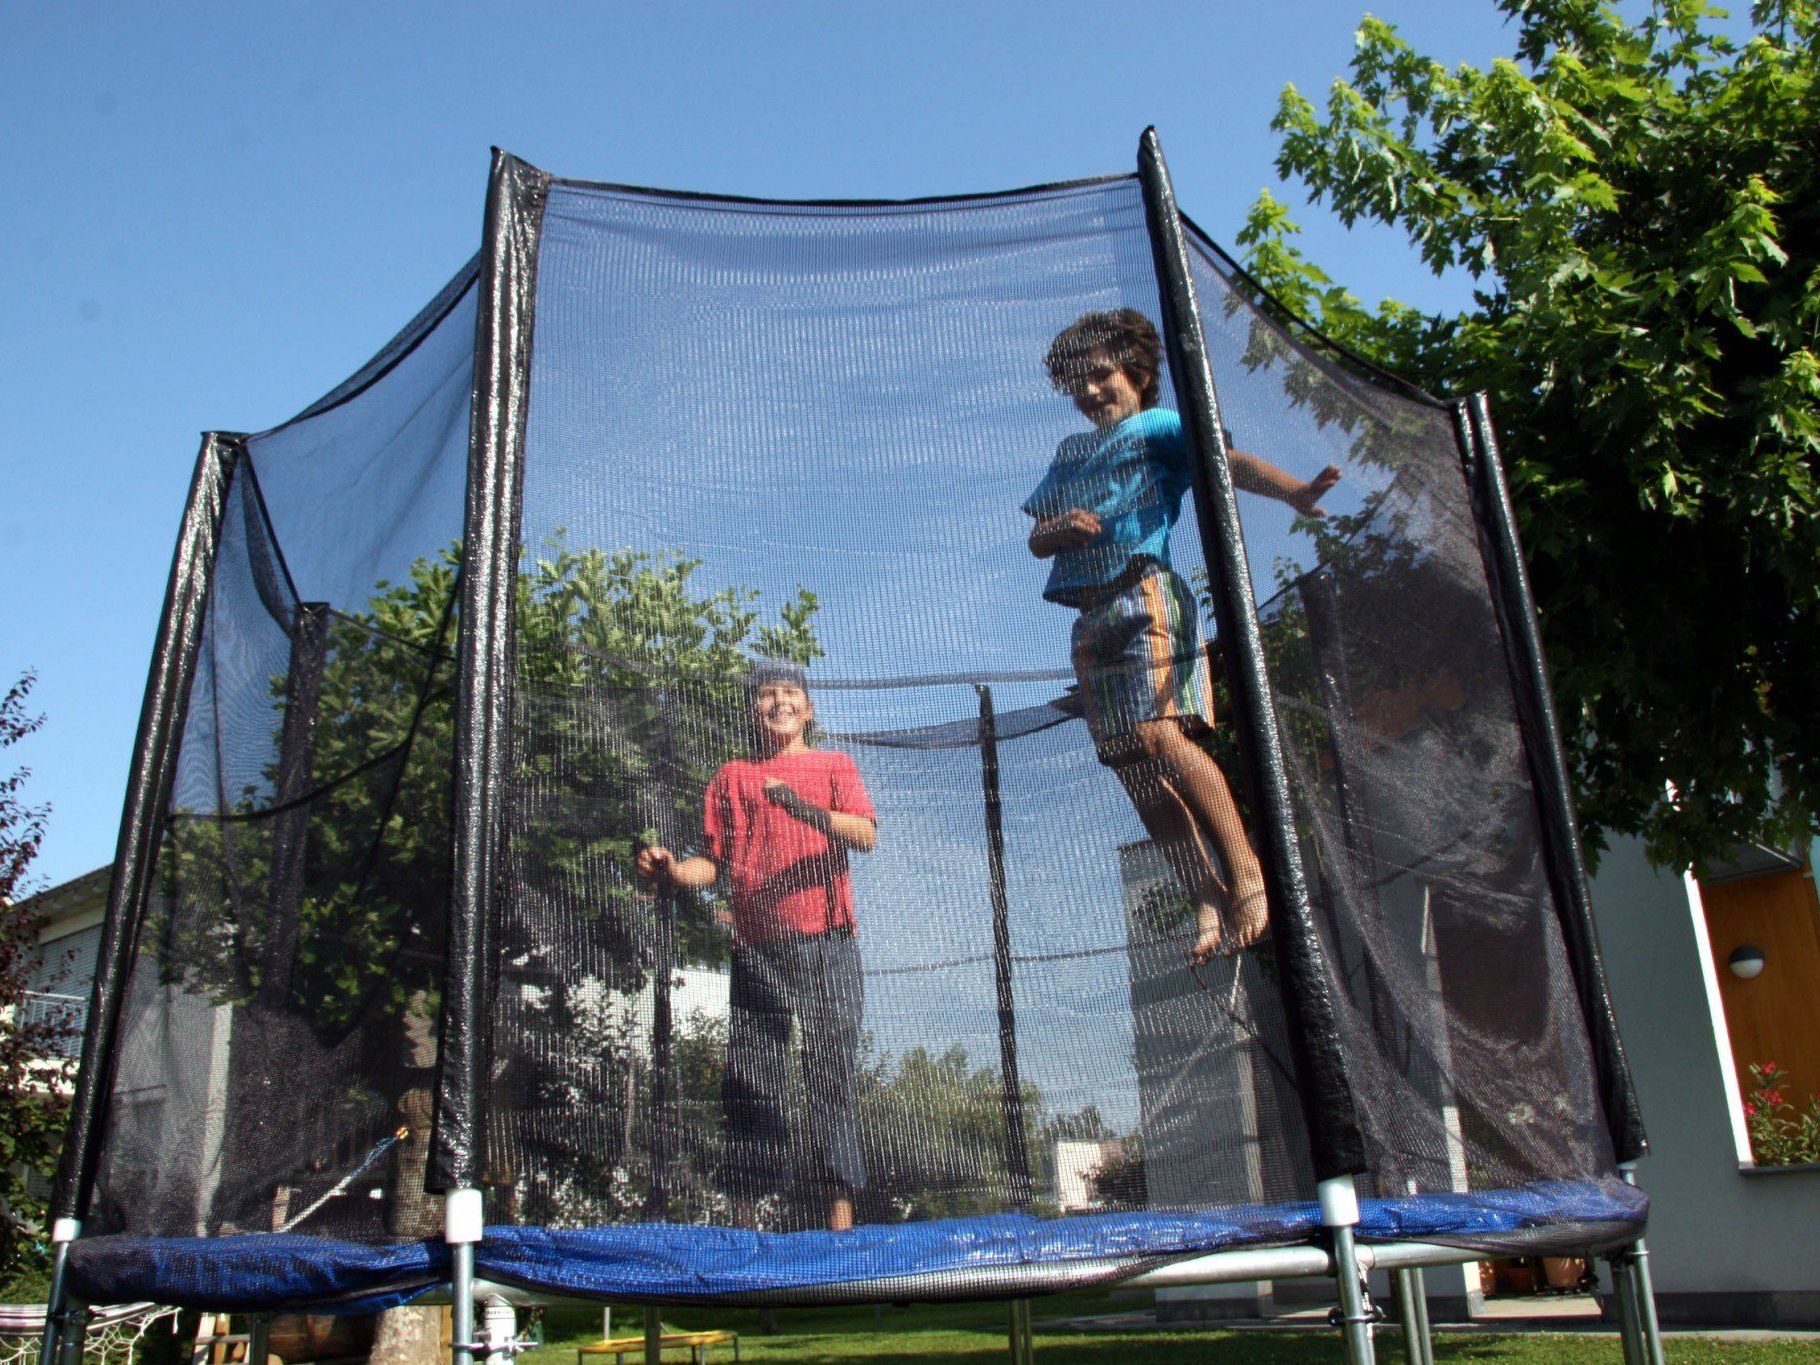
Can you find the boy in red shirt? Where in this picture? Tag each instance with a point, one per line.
(777, 825)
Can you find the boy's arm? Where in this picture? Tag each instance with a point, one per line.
(1254, 475)
(855, 831)
(656, 862)
(1073, 529)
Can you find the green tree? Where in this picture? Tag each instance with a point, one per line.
(34, 1070)
(1637, 206)
(628, 697)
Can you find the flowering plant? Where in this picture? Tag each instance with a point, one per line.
(1780, 1134)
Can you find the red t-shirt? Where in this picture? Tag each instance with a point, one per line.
(787, 877)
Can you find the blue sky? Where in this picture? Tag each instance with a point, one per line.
(216, 212)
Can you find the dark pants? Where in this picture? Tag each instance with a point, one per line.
(815, 980)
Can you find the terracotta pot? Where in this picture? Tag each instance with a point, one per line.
(1563, 1272)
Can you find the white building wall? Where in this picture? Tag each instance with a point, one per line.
(1725, 1245)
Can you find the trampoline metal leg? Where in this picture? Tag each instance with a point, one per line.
(1355, 1311)
(1340, 1215)
(1624, 1299)
(654, 1336)
(73, 1338)
(258, 1339)
(1644, 1325)
(1412, 1307)
(1647, 1326)
(1423, 1325)
(53, 1309)
(1019, 1336)
(461, 1304)
(463, 1225)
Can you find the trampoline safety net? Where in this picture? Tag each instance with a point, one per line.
(833, 855)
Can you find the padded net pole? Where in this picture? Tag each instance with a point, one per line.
(1017, 1146)
(515, 198)
(1336, 1142)
(1516, 611)
(167, 689)
(502, 361)
(663, 972)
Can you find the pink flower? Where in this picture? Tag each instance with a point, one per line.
(1773, 1098)
(1750, 1110)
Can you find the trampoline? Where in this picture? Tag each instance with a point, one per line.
(386, 1010)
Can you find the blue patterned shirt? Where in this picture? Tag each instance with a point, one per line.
(1132, 477)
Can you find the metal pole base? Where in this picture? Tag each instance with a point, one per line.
(54, 1309)
(74, 1337)
(654, 1336)
(1020, 1337)
(461, 1304)
(1412, 1308)
(1638, 1328)
(1355, 1314)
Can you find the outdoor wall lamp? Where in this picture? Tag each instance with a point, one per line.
(1746, 961)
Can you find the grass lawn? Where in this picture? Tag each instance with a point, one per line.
(974, 1334)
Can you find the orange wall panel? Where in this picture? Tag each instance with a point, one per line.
(1774, 1017)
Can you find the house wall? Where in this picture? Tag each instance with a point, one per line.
(1727, 1245)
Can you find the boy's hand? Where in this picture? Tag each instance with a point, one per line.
(780, 793)
(655, 863)
(1307, 498)
(1073, 530)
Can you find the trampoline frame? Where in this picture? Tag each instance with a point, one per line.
(507, 284)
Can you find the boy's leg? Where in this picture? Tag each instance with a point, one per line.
(1138, 655)
(1171, 824)
(830, 1005)
(1197, 781)
(755, 1087)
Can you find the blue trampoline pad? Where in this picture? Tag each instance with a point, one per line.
(674, 1262)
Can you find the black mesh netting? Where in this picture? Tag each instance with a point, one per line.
(277, 1056)
(805, 433)
(1418, 815)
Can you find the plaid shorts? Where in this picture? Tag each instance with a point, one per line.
(1137, 651)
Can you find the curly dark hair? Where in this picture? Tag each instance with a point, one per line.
(1125, 334)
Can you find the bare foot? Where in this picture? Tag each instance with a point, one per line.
(840, 1214)
(1211, 938)
(1248, 919)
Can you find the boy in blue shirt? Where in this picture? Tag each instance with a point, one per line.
(1103, 514)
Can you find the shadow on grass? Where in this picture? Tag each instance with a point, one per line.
(974, 1333)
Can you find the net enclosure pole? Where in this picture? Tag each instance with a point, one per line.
(1516, 612)
(148, 789)
(1017, 1142)
(1336, 1141)
(516, 194)
(663, 968)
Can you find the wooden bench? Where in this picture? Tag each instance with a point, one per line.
(697, 1342)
